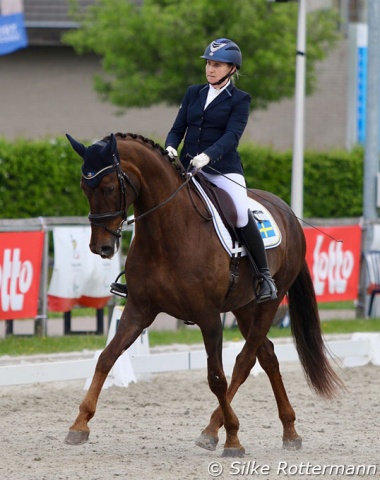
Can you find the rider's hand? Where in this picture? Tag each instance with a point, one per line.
(200, 160)
(172, 152)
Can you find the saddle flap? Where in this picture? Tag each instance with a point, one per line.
(270, 232)
(222, 202)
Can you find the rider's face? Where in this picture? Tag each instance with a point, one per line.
(216, 71)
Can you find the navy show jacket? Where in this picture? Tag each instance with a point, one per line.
(215, 130)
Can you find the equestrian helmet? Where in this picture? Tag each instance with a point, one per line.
(224, 50)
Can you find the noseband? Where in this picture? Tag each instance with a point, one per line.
(98, 219)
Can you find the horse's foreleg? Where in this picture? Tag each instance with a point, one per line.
(268, 360)
(126, 334)
(79, 431)
(218, 385)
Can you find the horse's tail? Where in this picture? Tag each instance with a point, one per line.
(306, 331)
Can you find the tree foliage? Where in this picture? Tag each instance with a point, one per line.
(150, 51)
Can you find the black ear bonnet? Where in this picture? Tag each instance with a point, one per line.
(100, 159)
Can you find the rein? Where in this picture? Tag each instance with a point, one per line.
(186, 182)
(97, 219)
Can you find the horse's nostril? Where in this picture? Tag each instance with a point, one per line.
(106, 252)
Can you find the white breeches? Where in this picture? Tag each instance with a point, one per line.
(234, 184)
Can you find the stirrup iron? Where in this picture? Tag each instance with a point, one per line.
(119, 289)
(271, 293)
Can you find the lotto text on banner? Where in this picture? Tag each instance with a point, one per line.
(20, 271)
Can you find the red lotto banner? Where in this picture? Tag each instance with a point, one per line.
(334, 266)
(20, 269)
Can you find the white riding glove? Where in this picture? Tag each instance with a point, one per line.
(200, 161)
(172, 152)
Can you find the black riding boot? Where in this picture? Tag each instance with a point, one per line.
(250, 237)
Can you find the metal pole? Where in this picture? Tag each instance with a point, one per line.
(371, 157)
(298, 145)
(40, 323)
(371, 160)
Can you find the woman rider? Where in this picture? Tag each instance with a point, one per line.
(211, 120)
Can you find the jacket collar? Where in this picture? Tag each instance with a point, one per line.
(227, 92)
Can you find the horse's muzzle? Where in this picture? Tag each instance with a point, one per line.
(105, 251)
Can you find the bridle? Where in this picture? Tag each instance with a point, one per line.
(98, 219)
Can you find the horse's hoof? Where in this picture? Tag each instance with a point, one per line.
(75, 437)
(234, 452)
(294, 444)
(207, 441)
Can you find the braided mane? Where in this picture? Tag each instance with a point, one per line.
(154, 145)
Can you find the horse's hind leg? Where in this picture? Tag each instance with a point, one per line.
(126, 334)
(209, 436)
(254, 335)
(268, 360)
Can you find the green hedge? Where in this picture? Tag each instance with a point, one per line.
(333, 181)
(41, 178)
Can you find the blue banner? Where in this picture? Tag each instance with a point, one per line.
(362, 67)
(12, 33)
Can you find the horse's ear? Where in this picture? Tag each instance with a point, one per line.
(111, 147)
(78, 147)
(113, 142)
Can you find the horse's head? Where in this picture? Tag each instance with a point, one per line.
(104, 184)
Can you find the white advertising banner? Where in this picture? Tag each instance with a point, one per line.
(79, 276)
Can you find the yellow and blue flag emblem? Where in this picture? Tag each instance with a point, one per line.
(266, 229)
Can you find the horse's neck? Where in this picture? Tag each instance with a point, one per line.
(158, 180)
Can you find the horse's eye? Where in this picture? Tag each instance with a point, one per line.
(109, 190)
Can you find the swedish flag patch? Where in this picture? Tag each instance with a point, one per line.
(266, 229)
(266, 224)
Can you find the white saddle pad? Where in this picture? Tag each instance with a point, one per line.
(269, 230)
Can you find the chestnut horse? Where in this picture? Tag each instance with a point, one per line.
(177, 265)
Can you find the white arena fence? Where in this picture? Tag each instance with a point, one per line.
(50, 224)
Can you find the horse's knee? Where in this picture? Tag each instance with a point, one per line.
(217, 384)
